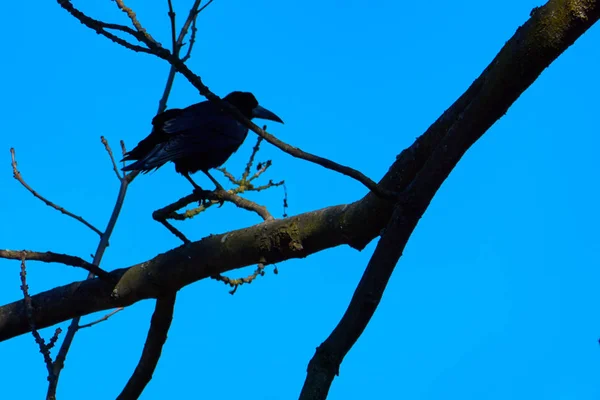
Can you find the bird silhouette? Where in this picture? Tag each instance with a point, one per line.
(197, 138)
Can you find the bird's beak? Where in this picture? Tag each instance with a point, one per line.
(263, 113)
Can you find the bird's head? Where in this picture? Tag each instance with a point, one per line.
(248, 105)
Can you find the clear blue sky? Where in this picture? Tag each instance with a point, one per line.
(496, 296)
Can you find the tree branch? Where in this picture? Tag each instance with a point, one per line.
(17, 175)
(106, 317)
(100, 28)
(112, 158)
(145, 36)
(50, 257)
(193, 14)
(44, 348)
(492, 93)
(74, 325)
(157, 336)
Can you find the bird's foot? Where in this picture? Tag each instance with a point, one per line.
(203, 196)
(206, 197)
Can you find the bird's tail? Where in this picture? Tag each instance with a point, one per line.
(138, 165)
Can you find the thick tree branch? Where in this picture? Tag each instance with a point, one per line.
(544, 37)
(273, 241)
(324, 366)
(157, 336)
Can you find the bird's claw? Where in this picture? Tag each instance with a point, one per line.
(202, 196)
(220, 198)
(206, 196)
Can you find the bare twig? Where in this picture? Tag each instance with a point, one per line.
(269, 185)
(175, 231)
(169, 212)
(50, 257)
(112, 158)
(188, 53)
(285, 201)
(100, 28)
(240, 202)
(261, 169)
(54, 338)
(157, 336)
(235, 283)
(44, 349)
(193, 35)
(228, 175)
(252, 155)
(148, 39)
(74, 326)
(17, 175)
(171, 14)
(193, 14)
(107, 316)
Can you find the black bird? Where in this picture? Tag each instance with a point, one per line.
(196, 138)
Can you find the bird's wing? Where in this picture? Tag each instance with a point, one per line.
(192, 118)
(213, 135)
(156, 137)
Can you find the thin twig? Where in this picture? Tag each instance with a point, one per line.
(29, 309)
(169, 212)
(267, 186)
(193, 35)
(100, 28)
(112, 158)
(74, 325)
(171, 14)
(107, 316)
(228, 175)
(192, 15)
(188, 54)
(262, 168)
(175, 231)
(50, 257)
(54, 338)
(235, 283)
(285, 201)
(17, 175)
(162, 104)
(136, 23)
(252, 155)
